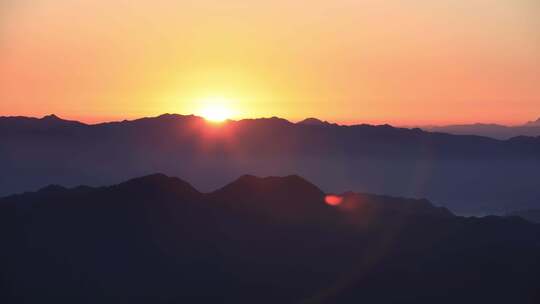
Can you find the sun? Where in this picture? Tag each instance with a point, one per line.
(215, 113)
(215, 109)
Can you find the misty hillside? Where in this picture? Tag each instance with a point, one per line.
(467, 174)
(157, 239)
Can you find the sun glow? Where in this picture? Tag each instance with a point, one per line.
(216, 109)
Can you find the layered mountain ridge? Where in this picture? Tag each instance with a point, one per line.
(267, 240)
(493, 176)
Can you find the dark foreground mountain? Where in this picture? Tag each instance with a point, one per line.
(532, 215)
(156, 239)
(468, 174)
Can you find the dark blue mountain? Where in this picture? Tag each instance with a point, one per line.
(156, 239)
(532, 215)
(467, 174)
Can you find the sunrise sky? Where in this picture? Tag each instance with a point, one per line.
(398, 61)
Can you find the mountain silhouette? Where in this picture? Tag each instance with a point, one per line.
(156, 239)
(314, 122)
(531, 128)
(533, 123)
(160, 184)
(289, 188)
(493, 176)
(290, 198)
(29, 124)
(532, 215)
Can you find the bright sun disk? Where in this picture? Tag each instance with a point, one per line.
(216, 110)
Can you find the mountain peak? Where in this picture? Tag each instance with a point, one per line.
(177, 116)
(52, 189)
(160, 183)
(290, 180)
(291, 186)
(312, 122)
(271, 120)
(287, 198)
(51, 117)
(54, 120)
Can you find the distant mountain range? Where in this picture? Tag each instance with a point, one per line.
(533, 122)
(531, 128)
(157, 239)
(467, 174)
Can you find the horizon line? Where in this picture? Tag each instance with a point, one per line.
(117, 119)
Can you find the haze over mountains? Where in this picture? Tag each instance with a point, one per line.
(531, 128)
(467, 174)
(157, 239)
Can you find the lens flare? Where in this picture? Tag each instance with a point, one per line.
(333, 200)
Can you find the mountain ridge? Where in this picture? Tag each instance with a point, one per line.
(245, 188)
(375, 159)
(456, 129)
(52, 118)
(497, 131)
(141, 240)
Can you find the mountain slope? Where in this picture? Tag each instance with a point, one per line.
(493, 176)
(532, 215)
(157, 239)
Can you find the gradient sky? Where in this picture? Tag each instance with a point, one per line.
(397, 61)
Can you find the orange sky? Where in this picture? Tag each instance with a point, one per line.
(397, 61)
